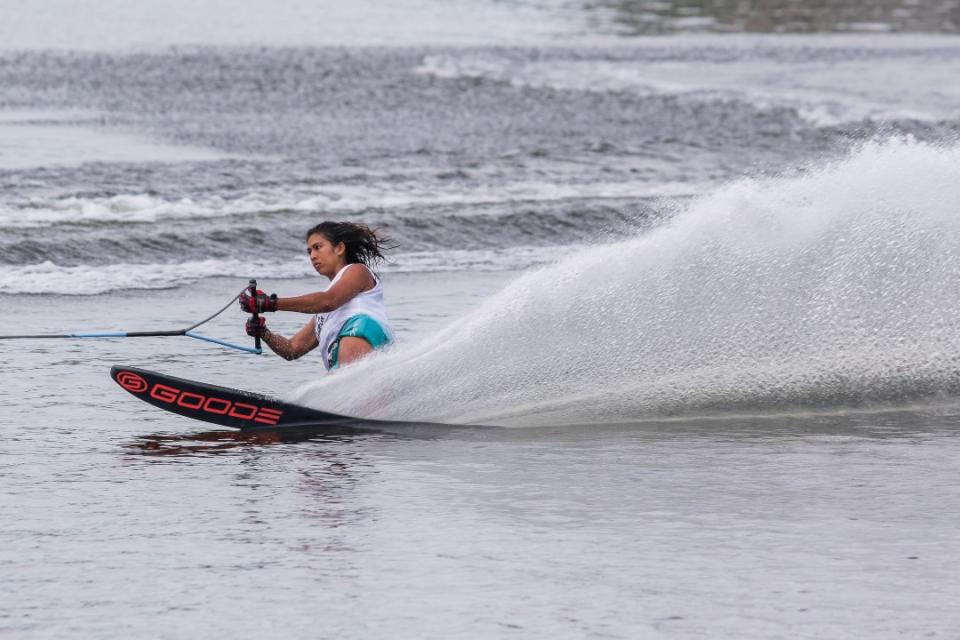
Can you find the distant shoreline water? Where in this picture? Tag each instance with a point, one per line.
(61, 24)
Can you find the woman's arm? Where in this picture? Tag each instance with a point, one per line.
(303, 341)
(354, 280)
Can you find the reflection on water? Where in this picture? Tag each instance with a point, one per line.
(217, 442)
(639, 17)
(869, 422)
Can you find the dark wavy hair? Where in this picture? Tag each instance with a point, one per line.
(364, 245)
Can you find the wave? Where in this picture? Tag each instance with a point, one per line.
(834, 288)
(334, 199)
(824, 87)
(48, 278)
(500, 230)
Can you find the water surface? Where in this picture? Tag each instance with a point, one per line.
(701, 285)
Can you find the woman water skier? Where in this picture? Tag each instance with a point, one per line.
(350, 320)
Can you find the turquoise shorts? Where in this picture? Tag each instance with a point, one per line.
(359, 326)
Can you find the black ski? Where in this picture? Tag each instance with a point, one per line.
(229, 407)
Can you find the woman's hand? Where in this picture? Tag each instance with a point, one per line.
(257, 329)
(258, 304)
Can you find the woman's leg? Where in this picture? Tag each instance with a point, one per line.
(352, 349)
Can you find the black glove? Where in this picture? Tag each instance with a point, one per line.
(262, 302)
(257, 329)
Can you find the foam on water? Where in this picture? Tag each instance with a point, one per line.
(834, 288)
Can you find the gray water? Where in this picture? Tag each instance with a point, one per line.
(699, 289)
(120, 520)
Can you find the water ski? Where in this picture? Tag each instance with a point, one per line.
(234, 408)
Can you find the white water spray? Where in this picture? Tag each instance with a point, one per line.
(836, 288)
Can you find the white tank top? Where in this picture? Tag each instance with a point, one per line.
(369, 302)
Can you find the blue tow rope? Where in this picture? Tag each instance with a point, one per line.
(153, 334)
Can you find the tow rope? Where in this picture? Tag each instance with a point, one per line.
(188, 331)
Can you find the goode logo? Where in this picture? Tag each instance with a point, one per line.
(131, 382)
(135, 383)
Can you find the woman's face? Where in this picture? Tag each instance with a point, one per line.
(325, 257)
